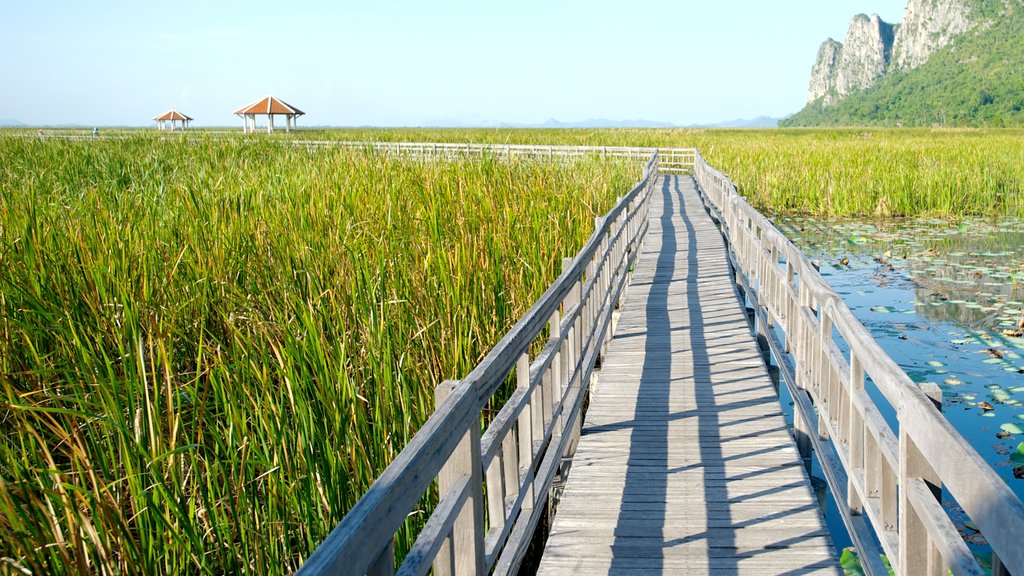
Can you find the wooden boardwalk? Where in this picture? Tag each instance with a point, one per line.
(685, 464)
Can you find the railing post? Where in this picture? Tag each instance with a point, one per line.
(855, 433)
(465, 547)
(574, 357)
(801, 334)
(771, 273)
(554, 383)
(602, 287)
(823, 382)
(524, 430)
(917, 554)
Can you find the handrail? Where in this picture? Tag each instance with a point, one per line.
(876, 473)
(671, 160)
(521, 451)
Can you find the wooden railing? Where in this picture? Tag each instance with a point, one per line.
(493, 485)
(449, 151)
(887, 481)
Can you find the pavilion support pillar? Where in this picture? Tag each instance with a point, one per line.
(270, 123)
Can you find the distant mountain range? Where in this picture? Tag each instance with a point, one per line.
(759, 122)
(12, 123)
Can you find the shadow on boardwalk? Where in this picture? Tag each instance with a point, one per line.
(686, 464)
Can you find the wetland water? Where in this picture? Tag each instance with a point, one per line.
(946, 301)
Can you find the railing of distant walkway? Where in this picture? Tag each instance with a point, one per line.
(887, 482)
(493, 486)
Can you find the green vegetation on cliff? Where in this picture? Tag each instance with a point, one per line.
(976, 81)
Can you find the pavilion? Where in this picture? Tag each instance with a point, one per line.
(270, 107)
(172, 116)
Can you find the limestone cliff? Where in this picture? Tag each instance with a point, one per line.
(823, 75)
(855, 64)
(874, 48)
(929, 25)
(862, 61)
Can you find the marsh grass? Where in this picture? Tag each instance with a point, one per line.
(211, 345)
(834, 172)
(210, 349)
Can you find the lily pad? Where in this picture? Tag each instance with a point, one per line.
(1012, 428)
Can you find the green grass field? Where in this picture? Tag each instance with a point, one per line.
(210, 349)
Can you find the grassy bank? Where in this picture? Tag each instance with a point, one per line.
(210, 349)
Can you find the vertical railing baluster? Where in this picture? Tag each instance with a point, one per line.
(467, 538)
(855, 432)
(915, 549)
(525, 429)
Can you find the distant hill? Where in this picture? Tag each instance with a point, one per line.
(12, 123)
(974, 78)
(602, 123)
(758, 122)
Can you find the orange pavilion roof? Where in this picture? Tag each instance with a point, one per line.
(172, 115)
(269, 105)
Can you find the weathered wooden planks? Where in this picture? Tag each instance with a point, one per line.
(685, 463)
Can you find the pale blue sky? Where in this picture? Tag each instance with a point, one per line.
(403, 63)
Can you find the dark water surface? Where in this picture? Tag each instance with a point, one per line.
(946, 301)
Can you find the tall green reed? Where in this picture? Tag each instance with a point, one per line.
(211, 348)
(833, 172)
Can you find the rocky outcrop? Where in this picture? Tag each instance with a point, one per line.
(865, 54)
(929, 25)
(823, 75)
(874, 48)
(853, 65)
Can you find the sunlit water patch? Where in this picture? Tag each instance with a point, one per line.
(946, 301)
